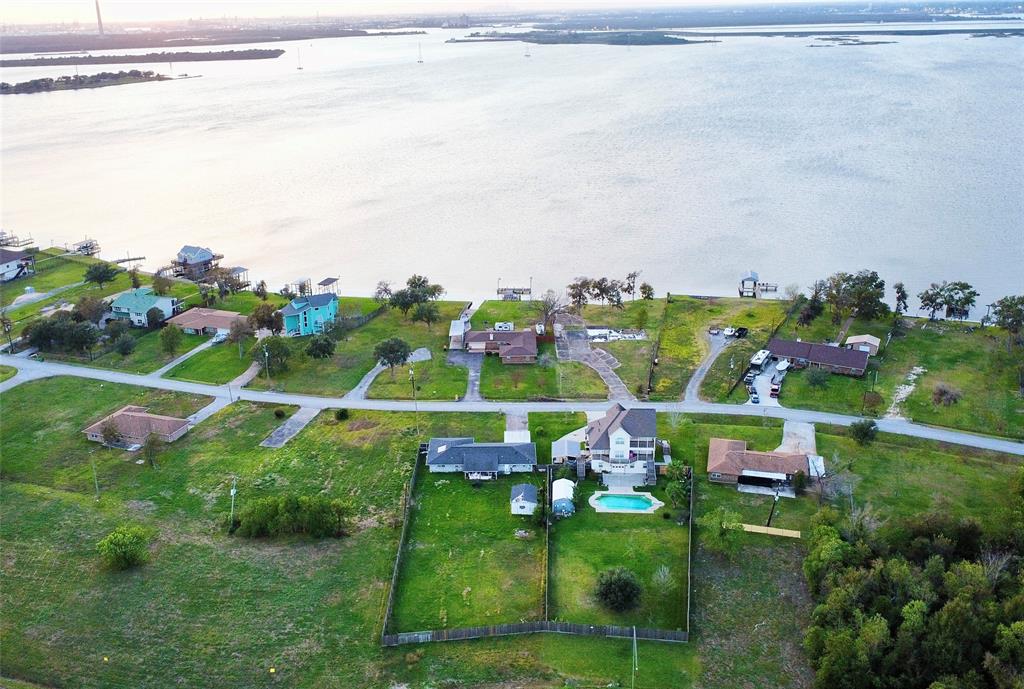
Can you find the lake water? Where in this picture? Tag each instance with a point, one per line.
(690, 163)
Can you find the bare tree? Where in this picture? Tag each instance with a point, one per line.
(792, 291)
(548, 306)
(994, 563)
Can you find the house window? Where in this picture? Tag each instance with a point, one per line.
(715, 474)
(620, 441)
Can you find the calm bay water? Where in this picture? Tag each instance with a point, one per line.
(692, 163)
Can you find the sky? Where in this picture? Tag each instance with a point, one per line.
(128, 11)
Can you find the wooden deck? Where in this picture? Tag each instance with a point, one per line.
(771, 531)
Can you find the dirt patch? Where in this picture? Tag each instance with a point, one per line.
(904, 390)
(361, 425)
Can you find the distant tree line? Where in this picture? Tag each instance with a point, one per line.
(584, 290)
(79, 81)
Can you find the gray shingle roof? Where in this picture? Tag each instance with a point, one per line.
(194, 254)
(639, 423)
(473, 456)
(527, 491)
(300, 304)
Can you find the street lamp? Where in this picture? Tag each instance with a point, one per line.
(8, 326)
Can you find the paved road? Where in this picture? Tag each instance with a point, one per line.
(29, 369)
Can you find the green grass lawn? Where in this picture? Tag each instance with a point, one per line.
(974, 363)
(547, 427)
(147, 356)
(634, 356)
(759, 316)
(436, 379)
(521, 313)
(588, 543)
(353, 357)
(463, 564)
(7, 372)
(541, 380)
(218, 364)
(52, 271)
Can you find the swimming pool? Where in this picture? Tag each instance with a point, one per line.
(627, 503)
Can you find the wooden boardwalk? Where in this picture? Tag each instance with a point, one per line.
(771, 531)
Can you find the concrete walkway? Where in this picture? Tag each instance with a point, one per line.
(290, 428)
(716, 344)
(209, 410)
(574, 346)
(359, 391)
(32, 369)
(25, 299)
(184, 357)
(248, 376)
(474, 362)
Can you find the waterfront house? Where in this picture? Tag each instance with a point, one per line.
(562, 491)
(515, 347)
(309, 314)
(864, 343)
(202, 321)
(135, 424)
(479, 461)
(15, 264)
(850, 362)
(195, 262)
(135, 304)
(622, 443)
(524, 499)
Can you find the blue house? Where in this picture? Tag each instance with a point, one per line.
(308, 315)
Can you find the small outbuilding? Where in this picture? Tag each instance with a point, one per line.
(565, 450)
(524, 498)
(864, 343)
(562, 491)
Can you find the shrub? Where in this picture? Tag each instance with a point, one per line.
(315, 515)
(340, 414)
(721, 530)
(817, 377)
(279, 413)
(946, 395)
(799, 482)
(124, 547)
(618, 589)
(863, 431)
(124, 344)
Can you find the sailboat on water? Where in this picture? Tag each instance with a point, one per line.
(420, 59)
(299, 50)
(527, 50)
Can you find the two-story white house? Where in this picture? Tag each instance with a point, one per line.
(623, 442)
(135, 304)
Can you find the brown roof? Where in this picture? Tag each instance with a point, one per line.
(10, 256)
(732, 457)
(513, 343)
(136, 422)
(200, 318)
(819, 353)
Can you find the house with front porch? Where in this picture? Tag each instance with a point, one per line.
(479, 461)
(622, 442)
(308, 315)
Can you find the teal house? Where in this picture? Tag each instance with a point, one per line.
(308, 315)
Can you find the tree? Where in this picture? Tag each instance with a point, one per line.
(404, 300)
(124, 547)
(133, 276)
(90, 309)
(151, 448)
(677, 493)
(863, 431)
(646, 291)
(799, 482)
(720, 530)
(170, 340)
(792, 292)
(110, 433)
(579, 291)
(161, 285)
(382, 293)
(901, 298)
(1008, 314)
(320, 347)
(629, 285)
(101, 273)
(618, 589)
(124, 344)
(548, 307)
(960, 299)
(7, 326)
(640, 319)
(933, 299)
(272, 352)
(266, 317)
(867, 294)
(392, 352)
(426, 313)
(260, 290)
(154, 317)
(818, 377)
(838, 295)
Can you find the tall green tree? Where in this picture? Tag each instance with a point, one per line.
(101, 273)
(273, 352)
(392, 352)
(170, 340)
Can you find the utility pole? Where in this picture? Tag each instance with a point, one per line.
(266, 362)
(774, 504)
(415, 404)
(234, 490)
(636, 662)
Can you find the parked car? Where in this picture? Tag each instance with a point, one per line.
(729, 332)
(754, 399)
(749, 378)
(776, 389)
(741, 332)
(714, 331)
(220, 337)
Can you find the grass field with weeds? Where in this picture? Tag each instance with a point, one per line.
(217, 365)
(546, 379)
(436, 379)
(464, 565)
(547, 427)
(7, 372)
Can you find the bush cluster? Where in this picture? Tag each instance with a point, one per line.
(314, 515)
(124, 547)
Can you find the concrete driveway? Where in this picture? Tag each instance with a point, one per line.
(473, 361)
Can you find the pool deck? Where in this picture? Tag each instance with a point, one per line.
(595, 502)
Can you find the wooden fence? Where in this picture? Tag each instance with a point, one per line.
(410, 491)
(540, 626)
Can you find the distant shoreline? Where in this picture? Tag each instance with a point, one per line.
(88, 81)
(181, 56)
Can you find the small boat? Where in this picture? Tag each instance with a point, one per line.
(527, 50)
(299, 58)
(420, 60)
